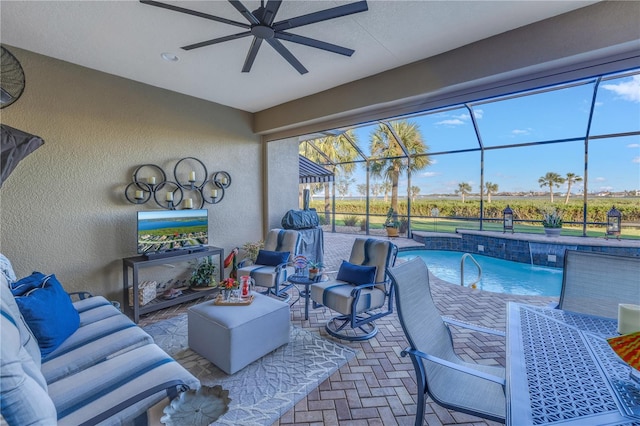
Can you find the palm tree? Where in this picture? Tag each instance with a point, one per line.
(570, 179)
(375, 190)
(362, 189)
(491, 188)
(339, 150)
(415, 190)
(385, 187)
(390, 161)
(551, 179)
(463, 189)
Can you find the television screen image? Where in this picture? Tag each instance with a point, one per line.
(161, 231)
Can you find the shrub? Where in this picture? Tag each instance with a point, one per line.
(350, 220)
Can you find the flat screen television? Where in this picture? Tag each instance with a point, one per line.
(168, 230)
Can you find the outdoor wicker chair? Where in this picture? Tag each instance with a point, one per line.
(595, 283)
(455, 384)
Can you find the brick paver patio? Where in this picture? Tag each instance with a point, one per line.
(378, 387)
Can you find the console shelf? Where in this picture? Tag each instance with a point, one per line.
(132, 265)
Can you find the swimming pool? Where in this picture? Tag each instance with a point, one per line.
(498, 275)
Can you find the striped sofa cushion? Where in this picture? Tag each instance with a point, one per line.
(93, 343)
(94, 390)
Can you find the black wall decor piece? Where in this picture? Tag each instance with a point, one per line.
(191, 187)
(16, 145)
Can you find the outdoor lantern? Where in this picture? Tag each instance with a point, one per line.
(507, 219)
(614, 217)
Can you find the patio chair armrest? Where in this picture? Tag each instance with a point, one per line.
(245, 262)
(359, 287)
(281, 266)
(461, 368)
(474, 327)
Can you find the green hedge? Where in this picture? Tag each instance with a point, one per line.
(523, 208)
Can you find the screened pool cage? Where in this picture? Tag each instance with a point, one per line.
(572, 148)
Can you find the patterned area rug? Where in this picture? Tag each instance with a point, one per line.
(266, 389)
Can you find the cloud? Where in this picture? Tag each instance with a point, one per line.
(635, 160)
(628, 90)
(450, 122)
(518, 132)
(633, 145)
(430, 174)
(600, 179)
(478, 113)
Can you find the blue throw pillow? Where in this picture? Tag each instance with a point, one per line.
(272, 258)
(47, 309)
(357, 274)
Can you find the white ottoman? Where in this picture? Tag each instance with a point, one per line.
(232, 337)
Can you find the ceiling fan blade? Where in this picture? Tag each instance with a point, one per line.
(323, 15)
(270, 11)
(216, 40)
(251, 55)
(311, 42)
(288, 56)
(194, 13)
(245, 12)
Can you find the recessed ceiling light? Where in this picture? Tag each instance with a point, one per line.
(169, 57)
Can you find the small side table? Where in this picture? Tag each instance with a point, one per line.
(306, 293)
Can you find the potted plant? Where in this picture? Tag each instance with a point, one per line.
(391, 223)
(314, 269)
(552, 222)
(228, 286)
(203, 275)
(251, 249)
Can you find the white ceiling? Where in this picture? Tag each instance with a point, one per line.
(126, 38)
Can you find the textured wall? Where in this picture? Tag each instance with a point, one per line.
(63, 209)
(281, 196)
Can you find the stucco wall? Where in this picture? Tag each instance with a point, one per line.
(282, 196)
(63, 210)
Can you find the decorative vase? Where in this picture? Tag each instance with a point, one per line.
(392, 232)
(226, 295)
(552, 232)
(312, 273)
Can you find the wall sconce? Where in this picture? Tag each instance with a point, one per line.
(191, 178)
(507, 220)
(614, 219)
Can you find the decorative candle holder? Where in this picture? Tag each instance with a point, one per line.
(150, 180)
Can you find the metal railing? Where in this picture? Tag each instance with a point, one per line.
(473, 284)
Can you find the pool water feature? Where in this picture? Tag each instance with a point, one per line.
(498, 275)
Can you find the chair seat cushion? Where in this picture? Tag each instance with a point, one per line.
(336, 295)
(264, 276)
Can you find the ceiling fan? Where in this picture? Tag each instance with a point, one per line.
(262, 27)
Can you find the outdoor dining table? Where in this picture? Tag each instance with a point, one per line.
(561, 370)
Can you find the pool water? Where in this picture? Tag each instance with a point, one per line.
(498, 275)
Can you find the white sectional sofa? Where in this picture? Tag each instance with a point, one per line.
(107, 372)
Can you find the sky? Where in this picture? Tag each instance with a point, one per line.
(614, 163)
